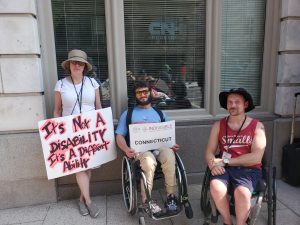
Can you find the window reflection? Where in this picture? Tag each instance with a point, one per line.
(165, 42)
(81, 25)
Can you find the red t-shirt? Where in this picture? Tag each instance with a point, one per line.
(242, 143)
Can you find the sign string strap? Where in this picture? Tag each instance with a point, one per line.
(79, 95)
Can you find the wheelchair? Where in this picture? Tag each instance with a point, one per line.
(131, 176)
(265, 192)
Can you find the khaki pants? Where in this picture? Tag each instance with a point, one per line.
(148, 164)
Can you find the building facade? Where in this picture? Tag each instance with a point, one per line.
(207, 45)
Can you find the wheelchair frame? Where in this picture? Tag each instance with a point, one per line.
(265, 192)
(131, 176)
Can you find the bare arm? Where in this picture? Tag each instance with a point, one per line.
(211, 149)
(121, 142)
(257, 149)
(212, 144)
(57, 105)
(97, 99)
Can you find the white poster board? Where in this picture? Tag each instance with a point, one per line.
(149, 136)
(78, 142)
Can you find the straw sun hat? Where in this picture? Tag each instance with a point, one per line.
(76, 55)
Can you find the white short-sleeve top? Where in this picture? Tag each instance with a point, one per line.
(70, 104)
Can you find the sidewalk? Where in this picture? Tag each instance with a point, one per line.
(113, 211)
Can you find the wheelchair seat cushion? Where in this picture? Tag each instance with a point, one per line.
(240, 176)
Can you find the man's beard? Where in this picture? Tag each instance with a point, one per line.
(234, 112)
(149, 100)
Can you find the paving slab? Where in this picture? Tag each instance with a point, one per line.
(30, 223)
(113, 211)
(29, 214)
(116, 212)
(66, 213)
(287, 217)
(289, 196)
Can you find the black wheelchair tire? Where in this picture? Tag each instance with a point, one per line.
(274, 195)
(271, 197)
(181, 176)
(188, 211)
(204, 200)
(182, 187)
(129, 188)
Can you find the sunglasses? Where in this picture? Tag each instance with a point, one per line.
(143, 92)
(77, 63)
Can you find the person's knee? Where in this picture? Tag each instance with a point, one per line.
(242, 193)
(217, 186)
(148, 163)
(166, 156)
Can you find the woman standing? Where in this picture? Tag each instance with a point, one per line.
(73, 95)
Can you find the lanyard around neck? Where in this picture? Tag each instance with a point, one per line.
(79, 95)
(236, 133)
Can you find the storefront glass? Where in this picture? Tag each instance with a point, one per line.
(165, 46)
(243, 32)
(81, 25)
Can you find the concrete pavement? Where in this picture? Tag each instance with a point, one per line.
(113, 211)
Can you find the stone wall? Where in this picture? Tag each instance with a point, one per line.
(288, 77)
(23, 179)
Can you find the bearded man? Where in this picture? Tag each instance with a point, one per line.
(143, 112)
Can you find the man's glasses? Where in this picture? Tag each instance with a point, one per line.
(78, 63)
(143, 92)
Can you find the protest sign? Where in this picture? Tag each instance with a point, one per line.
(149, 136)
(78, 142)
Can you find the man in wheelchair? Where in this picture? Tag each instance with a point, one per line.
(143, 112)
(242, 143)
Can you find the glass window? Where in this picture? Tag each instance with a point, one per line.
(81, 25)
(243, 32)
(165, 46)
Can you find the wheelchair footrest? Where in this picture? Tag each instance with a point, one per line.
(166, 214)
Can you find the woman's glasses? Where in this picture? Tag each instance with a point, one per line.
(77, 63)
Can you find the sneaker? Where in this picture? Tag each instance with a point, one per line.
(154, 207)
(172, 204)
(82, 208)
(93, 209)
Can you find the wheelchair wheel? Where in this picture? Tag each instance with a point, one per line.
(183, 187)
(129, 186)
(272, 197)
(204, 200)
(255, 210)
(274, 189)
